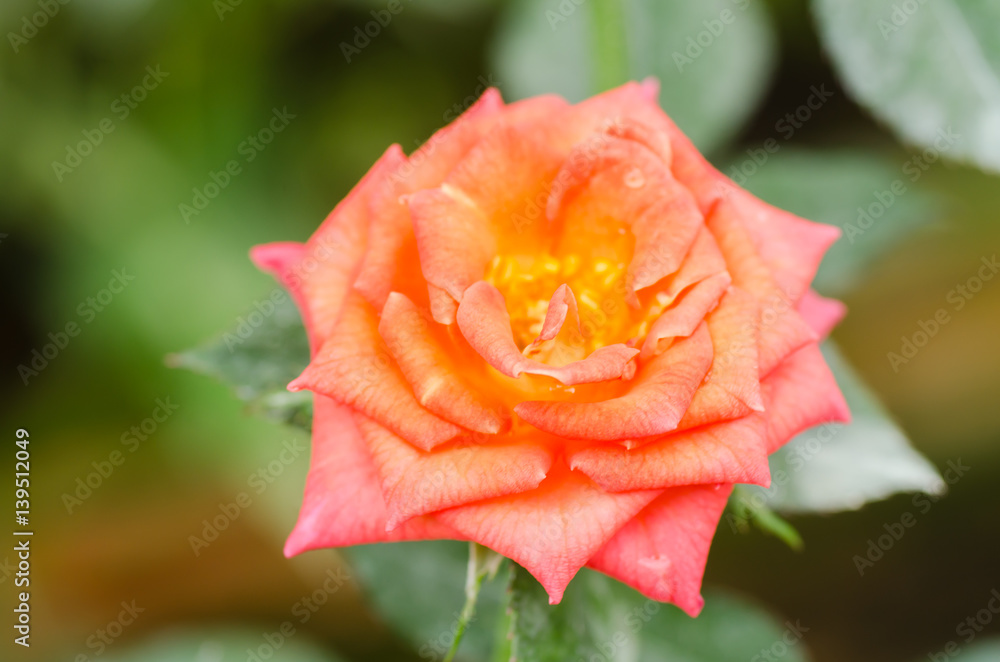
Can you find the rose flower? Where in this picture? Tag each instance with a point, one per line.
(557, 331)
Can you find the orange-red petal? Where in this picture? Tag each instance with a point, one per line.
(662, 551)
(483, 320)
(343, 502)
(728, 452)
(355, 368)
(654, 404)
(426, 365)
(801, 393)
(551, 531)
(416, 483)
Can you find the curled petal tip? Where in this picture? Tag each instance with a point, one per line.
(650, 88)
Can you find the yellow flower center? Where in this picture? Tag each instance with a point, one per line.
(528, 282)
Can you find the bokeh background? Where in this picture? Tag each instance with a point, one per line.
(227, 67)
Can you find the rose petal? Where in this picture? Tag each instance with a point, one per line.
(455, 239)
(654, 403)
(820, 313)
(561, 340)
(354, 367)
(416, 483)
(551, 531)
(280, 259)
(733, 386)
(792, 247)
(391, 263)
(663, 550)
(680, 320)
(322, 275)
(483, 320)
(609, 183)
(343, 502)
(432, 374)
(782, 330)
(728, 452)
(801, 393)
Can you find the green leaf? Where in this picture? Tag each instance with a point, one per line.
(259, 360)
(841, 467)
(922, 67)
(729, 628)
(419, 589)
(584, 624)
(743, 509)
(838, 187)
(224, 645)
(602, 619)
(544, 47)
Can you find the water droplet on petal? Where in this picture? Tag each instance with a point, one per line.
(635, 178)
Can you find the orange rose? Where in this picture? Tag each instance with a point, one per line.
(557, 331)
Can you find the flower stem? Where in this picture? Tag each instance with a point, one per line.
(610, 50)
(483, 563)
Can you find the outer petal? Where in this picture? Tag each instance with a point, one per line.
(343, 503)
(654, 404)
(551, 531)
(391, 261)
(416, 483)
(627, 104)
(792, 247)
(432, 374)
(354, 367)
(662, 552)
(801, 393)
(782, 329)
(820, 313)
(483, 320)
(729, 452)
(280, 259)
(321, 276)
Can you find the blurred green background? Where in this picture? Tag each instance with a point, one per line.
(227, 67)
